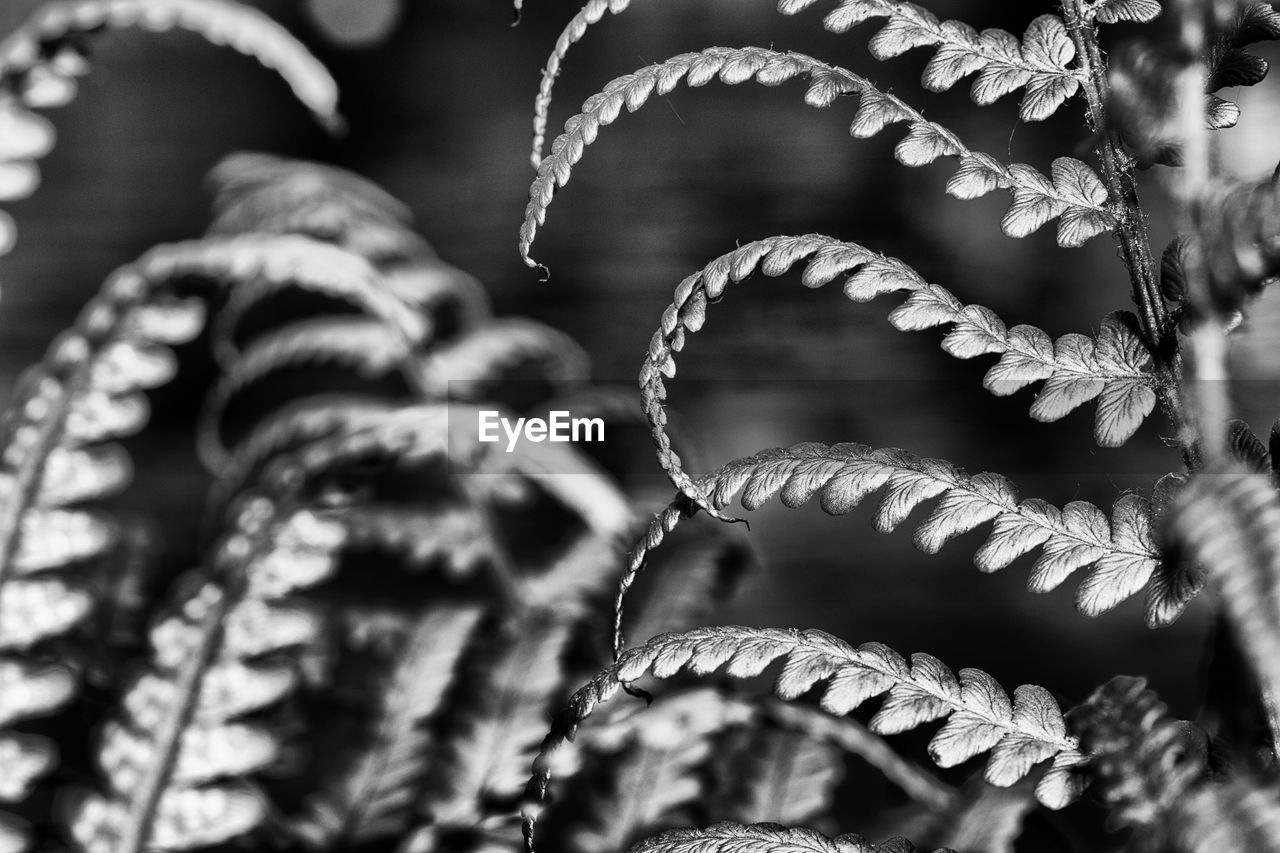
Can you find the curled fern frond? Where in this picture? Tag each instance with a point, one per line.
(1144, 762)
(1039, 62)
(39, 64)
(766, 838)
(1114, 368)
(369, 793)
(1074, 192)
(176, 762)
(980, 716)
(1121, 550)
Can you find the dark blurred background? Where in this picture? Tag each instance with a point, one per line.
(440, 112)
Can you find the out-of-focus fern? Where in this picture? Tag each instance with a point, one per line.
(39, 64)
(174, 762)
(766, 838)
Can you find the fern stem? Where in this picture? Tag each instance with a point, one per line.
(1131, 229)
(1117, 174)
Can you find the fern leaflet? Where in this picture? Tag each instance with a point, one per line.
(1074, 192)
(1038, 63)
(981, 718)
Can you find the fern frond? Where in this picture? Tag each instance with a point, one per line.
(176, 760)
(980, 716)
(1228, 520)
(765, 838)
(40, 61)
(496, 734)
(28, 57)
(1038, 63)
(1075, 193)
(369, 794)
(471, 366)
(1114, 368)
(1143, 761)
(56, 458)
(263, 268)
(1121, 550)
(257, 193)
(781, 777)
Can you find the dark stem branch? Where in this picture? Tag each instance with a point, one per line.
(1131, 232)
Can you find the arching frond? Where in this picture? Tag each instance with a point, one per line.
(1038, 63)
(176, 761)
(1074, 192)
(368, 793)
(1121, 550)
(29, 57)
(1114, 368)
(40, 61)
(766, 838)
(981, 718)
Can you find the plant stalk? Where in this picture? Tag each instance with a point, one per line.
(1131, 231)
